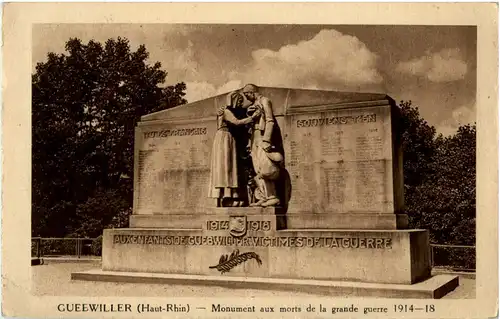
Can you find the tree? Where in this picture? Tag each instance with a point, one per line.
(85, 104)
(419, 149)
(448, 197)
(440, 175)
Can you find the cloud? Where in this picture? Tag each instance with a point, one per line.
(229, 86)
(465, 114)
(183, 61)
(444, 66)
(329, 60)
(196, 91)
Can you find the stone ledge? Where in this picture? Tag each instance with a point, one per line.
(178, 221)
(346, 221)
(229, 211)
(433, 288)
(197, 221)
(290, 220)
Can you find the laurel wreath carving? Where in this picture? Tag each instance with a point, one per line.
(227, 263)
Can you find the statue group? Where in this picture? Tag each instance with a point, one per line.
(247, 161)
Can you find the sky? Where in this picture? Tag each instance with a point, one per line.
(433, 66)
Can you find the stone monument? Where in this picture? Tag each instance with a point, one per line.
(274, 187)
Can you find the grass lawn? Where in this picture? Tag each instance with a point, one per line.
(53, 279)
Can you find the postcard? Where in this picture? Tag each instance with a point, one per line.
(259, 160)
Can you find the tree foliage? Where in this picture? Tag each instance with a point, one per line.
(418, 139)
(440, 177)
(85, 104)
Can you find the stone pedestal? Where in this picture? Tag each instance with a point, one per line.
(373, 263)
(282, 246)
(390, 256)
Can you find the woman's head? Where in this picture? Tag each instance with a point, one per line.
(234, 99)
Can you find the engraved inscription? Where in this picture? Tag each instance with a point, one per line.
(331, 146)
(196, 184)
(176, 132)
(148, 179)
(334, 185)
(253, 225)
(173, 195)
(364, 118)
(305, 187)
(302, 151)
(339, 168)
(257, 241)
(173, 168)
(369, 147)
(369, 184)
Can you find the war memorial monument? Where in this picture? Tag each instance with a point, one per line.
(273, 188)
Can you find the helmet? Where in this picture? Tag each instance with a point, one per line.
(250, 88)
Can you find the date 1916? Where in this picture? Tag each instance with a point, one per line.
(412, 308)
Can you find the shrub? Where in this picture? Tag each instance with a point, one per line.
(97, 246)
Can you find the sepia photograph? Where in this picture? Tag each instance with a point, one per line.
(257, 161)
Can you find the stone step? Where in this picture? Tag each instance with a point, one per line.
(433, 288)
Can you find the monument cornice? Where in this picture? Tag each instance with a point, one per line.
(284, 100)
(299, 109)
(176, 120)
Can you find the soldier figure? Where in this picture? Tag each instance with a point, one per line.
(267, 161)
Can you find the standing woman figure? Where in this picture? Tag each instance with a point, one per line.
(224, 165)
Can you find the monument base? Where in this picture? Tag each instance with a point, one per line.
(376, 256)
(433, 288)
